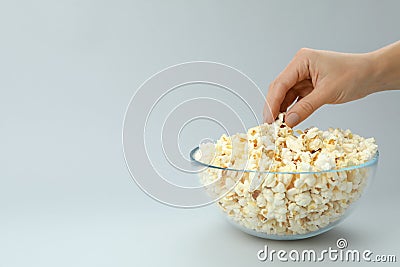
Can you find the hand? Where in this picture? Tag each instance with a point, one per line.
(315, 78)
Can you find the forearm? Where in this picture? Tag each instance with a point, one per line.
(386, 68)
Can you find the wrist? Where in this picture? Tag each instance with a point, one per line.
(375, 73)
(378, 70)
(385, 68)
(371, 73)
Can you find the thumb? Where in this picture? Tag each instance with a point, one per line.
(304, 108)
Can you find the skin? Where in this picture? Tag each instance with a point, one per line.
(315, 77)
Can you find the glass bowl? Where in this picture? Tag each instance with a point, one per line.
(282, 215)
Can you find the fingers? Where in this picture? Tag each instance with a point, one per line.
(304, 108)
(296, 71)
(301, 89)
(290, 97)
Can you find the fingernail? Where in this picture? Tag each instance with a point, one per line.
(292, 119)
(268, 118)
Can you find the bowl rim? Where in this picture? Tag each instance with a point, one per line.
(371, 162)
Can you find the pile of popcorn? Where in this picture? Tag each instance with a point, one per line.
(293, 201)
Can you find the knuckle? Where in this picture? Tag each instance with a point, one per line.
(307, 106)
(276, 89)
(271, 85)
(304, 51)
(279, 84)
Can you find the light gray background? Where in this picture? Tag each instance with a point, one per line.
(67, 72)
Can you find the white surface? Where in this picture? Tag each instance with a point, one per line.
(67, 72)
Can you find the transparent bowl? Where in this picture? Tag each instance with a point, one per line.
(333, 197)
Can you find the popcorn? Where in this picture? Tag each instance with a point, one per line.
(283, 194)
(294, 144)
(279, 188)
(303, 199)
(325, 162)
